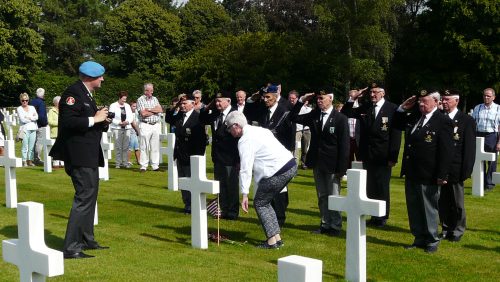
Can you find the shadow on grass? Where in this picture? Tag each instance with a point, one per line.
(482, 248)
(182, 241)
(151, 205)
(51, 241)
(59, 216)
(494, 232)
(314, 213)
(376, 240)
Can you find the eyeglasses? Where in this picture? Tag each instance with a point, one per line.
(24, 100)
(197, 97)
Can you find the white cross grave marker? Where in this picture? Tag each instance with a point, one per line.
(478, 170)
(173, 178)
(33, 258)
(10, 122)
(162, 150)
(10, 162)
(47, 145)
(107, 147)
(199, 186)
(357, 206)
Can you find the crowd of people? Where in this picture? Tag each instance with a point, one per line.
(257, 137)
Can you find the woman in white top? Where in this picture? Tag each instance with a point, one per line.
(272, 166)
(121, 126)
(27, 119)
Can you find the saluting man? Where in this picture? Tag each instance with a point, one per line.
(428, 155)
(78, 144)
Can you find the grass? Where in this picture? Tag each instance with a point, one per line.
(149, 238)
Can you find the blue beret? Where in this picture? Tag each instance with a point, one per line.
(272, 89)
(91, 69)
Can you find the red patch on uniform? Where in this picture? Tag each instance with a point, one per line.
(70, 101)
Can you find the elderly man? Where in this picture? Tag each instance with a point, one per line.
(272, 165)
(41, 109)
(379, 144)
(190, 139)
(224, 153)
(78, 144)
(354, 121)
(149, 125)
(428, 156)
(487, 117)
(328, 154)
(241, 97)
(451, 201)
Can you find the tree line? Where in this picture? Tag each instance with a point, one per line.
(307, 45)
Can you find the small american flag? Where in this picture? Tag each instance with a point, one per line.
(213, 208)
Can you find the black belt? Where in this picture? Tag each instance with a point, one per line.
(291, 163)
(150, 123)
(485, 133)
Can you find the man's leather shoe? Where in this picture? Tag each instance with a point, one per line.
(329, 232)
(431, 249)
(80, 255)
(97, 247)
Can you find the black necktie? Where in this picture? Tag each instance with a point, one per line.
(323, 114)
(374, 113)
(219, 121)
(268, 117)
(183, 115)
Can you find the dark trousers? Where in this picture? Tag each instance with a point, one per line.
(268, 189)
(422, 205)
(452, 209)
(80, 229)
(229, 191)
(490, 143)
(327, 184)
(280, 204)
(185, 171)
(377, 185)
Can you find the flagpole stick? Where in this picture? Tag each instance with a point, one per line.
(218, 220)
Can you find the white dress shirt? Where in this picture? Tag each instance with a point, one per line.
(261, 154)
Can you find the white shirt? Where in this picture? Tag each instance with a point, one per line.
(304, 110)
(426, 119)
(378, 106)
(116, 108)
(453, 113)
(241, 108)
(273, 109)
(187, 116)
(261, 154)
(224, 115)
(28, 118)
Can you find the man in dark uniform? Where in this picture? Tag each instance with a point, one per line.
(190, 139)
(428, 155)
(328, 154)
(379, 145)
(451, 201)
(78, 144)
(224, 153)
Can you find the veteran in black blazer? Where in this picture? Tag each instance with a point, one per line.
(78, 144)
(379, 146)
(328, 154)
(225, 154)
(190, 139)
(451, 200)
(427, 160)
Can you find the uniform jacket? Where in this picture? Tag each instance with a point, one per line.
(190, 138)
(380, 141)
(78, 144)
(464, 144)
(41, 109)
(280, 125)
(429, 150)
(224, 145)
(329, 147)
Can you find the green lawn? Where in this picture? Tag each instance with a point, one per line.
(149, 238)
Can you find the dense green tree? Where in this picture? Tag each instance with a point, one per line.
(201, 20)
(20, 46)
(140, 36)
(452, 44)
(70, 32)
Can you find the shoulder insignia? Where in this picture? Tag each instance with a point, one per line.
(70, 101)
